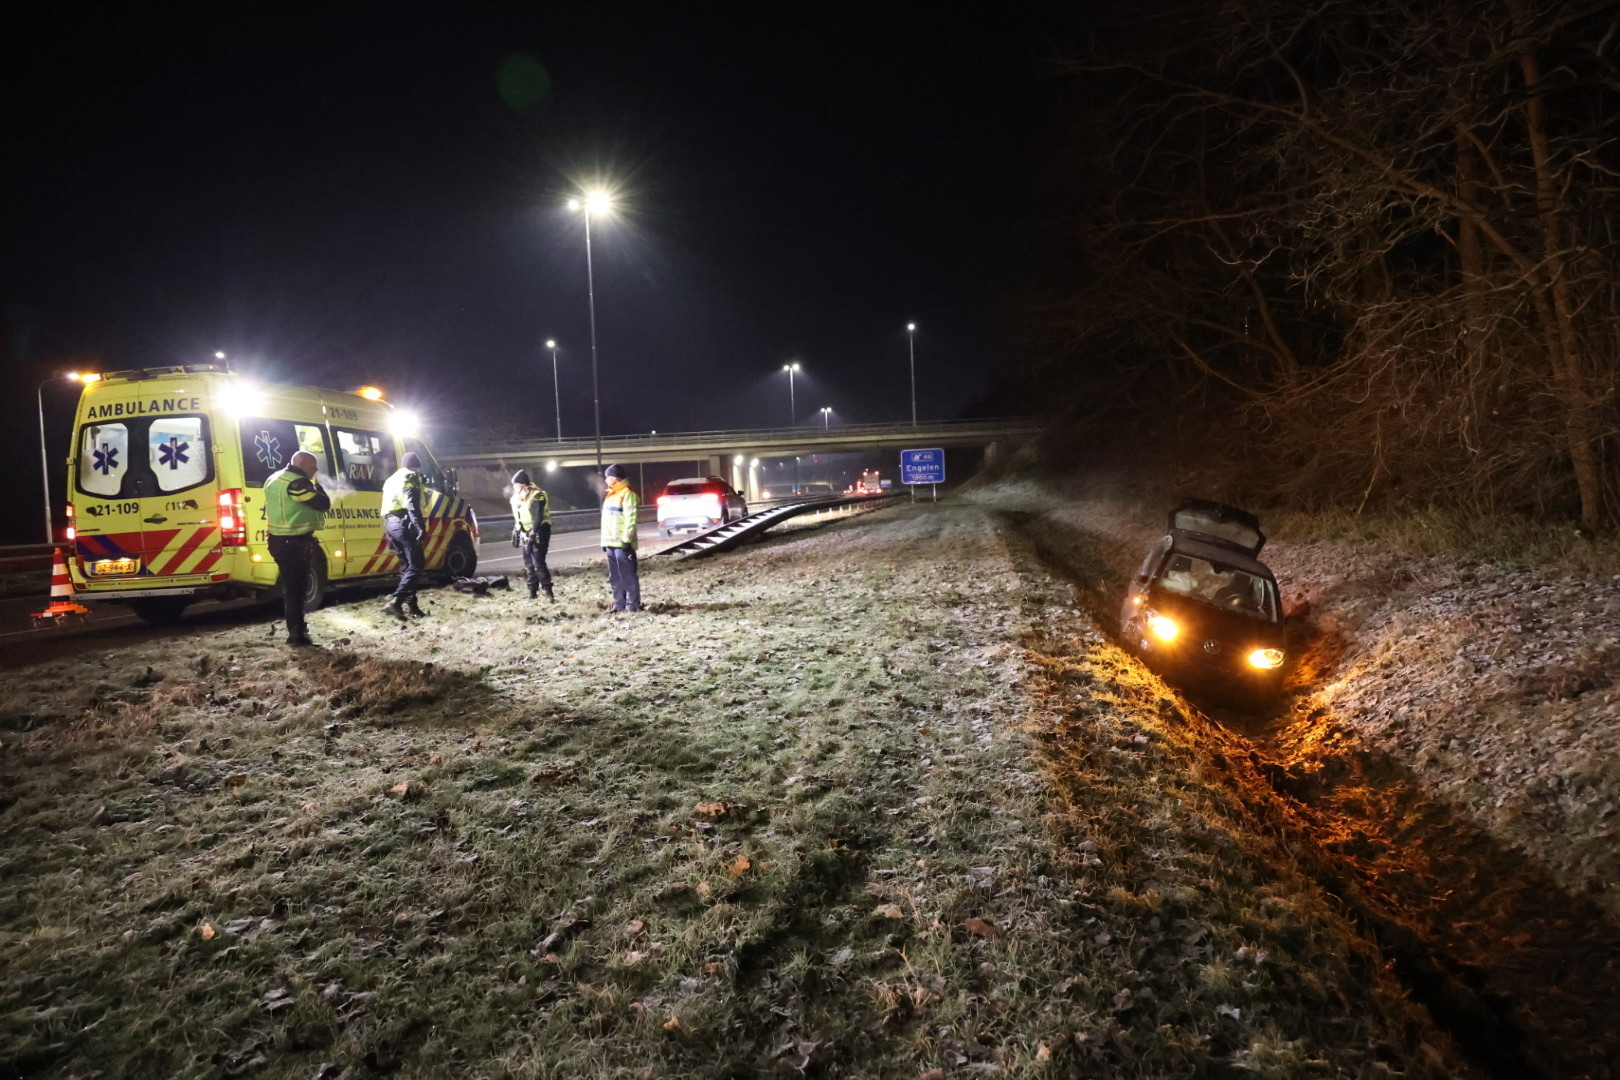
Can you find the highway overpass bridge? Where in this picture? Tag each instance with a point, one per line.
(485, 468)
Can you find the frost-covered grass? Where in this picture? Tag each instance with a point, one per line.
(869, 800)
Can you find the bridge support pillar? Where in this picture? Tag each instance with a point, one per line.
(715, 465)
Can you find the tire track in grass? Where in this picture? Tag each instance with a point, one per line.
(1525, 977)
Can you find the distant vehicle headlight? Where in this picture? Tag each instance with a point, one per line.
(1163, 628)
(1266, 658)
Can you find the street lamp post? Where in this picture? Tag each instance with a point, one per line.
(911, 343)
(556, 393)
(44, 455)
(793, 409)
(596, 202)
(826, 418)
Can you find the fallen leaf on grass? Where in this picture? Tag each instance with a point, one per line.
(714, 967)
(634, 927)
(889, 911)
(236, 780)
(933, 1074)
(711, 809)
(703, 888)
(207, 932)
(740, 866)
(409, 789)
(672, 1024)
(982, 927)
(1043, 1053)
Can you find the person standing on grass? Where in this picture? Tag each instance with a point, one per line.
(295, 506)
(402, 521)
(619, 511)
(531, 518)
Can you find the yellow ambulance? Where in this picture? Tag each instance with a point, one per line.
(166, 487)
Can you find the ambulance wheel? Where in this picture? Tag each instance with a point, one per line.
(315, 591)
(462, 558)
(160, 610)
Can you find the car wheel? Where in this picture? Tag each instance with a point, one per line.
(462, 558)
(160, 610)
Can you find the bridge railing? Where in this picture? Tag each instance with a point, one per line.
(446, 449)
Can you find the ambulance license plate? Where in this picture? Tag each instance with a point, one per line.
(103, 567)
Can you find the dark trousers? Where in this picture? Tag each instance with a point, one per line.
(294, 557)
(624, 578)
(536, 543)
(403, 541)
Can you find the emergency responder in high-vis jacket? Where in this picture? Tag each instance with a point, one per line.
(619, 510)
(295, 506)
(531, 531)
(402, 497)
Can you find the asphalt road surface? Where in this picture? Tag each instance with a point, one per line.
(22, 642)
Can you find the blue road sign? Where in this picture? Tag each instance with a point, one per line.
(922, 466)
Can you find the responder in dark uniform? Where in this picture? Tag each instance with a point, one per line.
(619, 510)
(531, 524)
(295, 506)
(402, 496)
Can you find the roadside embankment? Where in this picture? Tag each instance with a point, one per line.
(877, 799)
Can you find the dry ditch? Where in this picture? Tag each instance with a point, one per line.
(1518, 962)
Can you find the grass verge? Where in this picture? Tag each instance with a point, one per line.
(863, 801)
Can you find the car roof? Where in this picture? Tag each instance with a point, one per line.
(1182, 543)
(1218, 523)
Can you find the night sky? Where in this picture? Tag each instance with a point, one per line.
(364, 192)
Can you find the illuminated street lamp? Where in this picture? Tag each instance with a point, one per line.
(596, 203)
(911, 342)
(44, 458)
(793, 409)
(826, 418)
(555, 392)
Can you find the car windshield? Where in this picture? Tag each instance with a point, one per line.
(1220, 586)
(692, 488)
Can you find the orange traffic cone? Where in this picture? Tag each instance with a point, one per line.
(62, 603)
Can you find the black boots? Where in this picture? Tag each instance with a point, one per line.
(413, 610)
(394, 608)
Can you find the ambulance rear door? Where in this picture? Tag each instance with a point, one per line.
(145, 490)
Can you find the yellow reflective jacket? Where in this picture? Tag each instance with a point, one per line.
(531, 507)
(295, 505)
(619, 512)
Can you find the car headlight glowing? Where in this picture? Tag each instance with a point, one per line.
(1165, 629)
(1266, 658)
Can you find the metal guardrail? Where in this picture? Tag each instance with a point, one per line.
(726, 537)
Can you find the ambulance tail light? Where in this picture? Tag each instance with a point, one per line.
(72, 527)
(232, 523)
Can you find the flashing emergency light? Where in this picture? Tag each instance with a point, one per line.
(370, 393)
(405, 424)
(86, 377)
(240, 398)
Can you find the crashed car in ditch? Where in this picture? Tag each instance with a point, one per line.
(1203, 608)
